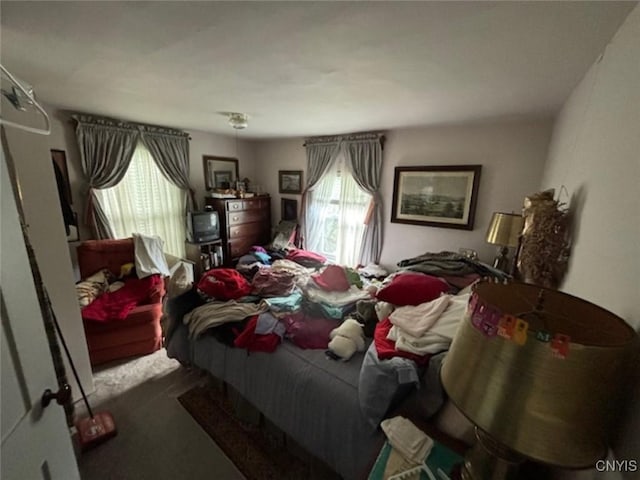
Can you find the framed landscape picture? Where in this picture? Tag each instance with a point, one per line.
(290, 181)
(437, 196)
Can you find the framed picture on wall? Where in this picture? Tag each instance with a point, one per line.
(289, 209)
(216, 169)
(59, 158)
(437, 196)
(290, 181)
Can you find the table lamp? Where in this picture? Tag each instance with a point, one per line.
(537, 372)
(504, 231)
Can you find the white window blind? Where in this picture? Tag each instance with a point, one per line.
(146, 202)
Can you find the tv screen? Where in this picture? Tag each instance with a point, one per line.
(203, 227)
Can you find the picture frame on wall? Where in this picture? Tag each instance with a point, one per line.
(59, 158)
(69, 216)
(289, 209)
(437, 196)
(290, 181)
(212, 164)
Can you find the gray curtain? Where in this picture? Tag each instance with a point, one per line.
(106, 147)
(365, 160)
(320, 156)
(170, 150)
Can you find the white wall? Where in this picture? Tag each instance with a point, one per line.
(275, 155)
(595, 153)
(512, 156)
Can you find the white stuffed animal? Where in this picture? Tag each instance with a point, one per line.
(347, 339)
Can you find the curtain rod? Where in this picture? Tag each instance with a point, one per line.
(90, 119)
(348, 137)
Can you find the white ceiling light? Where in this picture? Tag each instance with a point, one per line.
(239, 121)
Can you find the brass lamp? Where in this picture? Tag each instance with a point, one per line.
(537, 371)
(504, 231)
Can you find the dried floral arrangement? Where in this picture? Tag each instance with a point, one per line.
(545, 242)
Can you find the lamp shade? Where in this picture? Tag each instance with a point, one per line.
(505, 228)
(538, 371)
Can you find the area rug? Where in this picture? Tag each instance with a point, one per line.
(257, 455)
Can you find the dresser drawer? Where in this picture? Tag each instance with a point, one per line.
(240, 246)
(247, 204)
(234, 205)
(256, 203)
(246, 230)
(251, 204)
(247, 216)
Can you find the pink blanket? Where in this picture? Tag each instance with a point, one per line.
(117, 305)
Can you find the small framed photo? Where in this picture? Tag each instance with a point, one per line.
(290, 181)
(437, 196)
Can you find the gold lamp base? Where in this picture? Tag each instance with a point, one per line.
(490, 460)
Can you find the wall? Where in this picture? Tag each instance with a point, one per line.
(512, 156)
(274, 155)
(595, 152)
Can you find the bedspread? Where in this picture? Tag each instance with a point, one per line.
(309, 397)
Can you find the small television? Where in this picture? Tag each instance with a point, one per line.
(203, 226)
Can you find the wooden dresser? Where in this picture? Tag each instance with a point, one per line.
(244, 222)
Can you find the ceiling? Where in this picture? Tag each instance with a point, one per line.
(306, 68)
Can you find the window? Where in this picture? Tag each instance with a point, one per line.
(146, 202)
(335, 216)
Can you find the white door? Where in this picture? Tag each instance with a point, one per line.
(35, 442)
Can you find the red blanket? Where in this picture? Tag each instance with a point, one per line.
(117, 305)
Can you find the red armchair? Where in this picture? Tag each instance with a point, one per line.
(140, 333)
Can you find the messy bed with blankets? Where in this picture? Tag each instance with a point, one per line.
(324, 351)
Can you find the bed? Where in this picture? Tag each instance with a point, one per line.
(330, 408)
(310, 398)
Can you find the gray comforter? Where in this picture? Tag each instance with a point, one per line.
(308, 396)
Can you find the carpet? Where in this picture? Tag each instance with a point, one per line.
(248, 446)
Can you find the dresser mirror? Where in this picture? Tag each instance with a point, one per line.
(220, 172)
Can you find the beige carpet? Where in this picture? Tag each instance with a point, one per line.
(157, 439)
